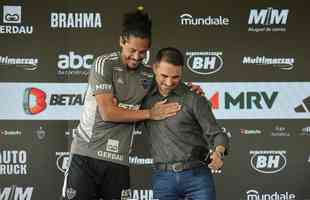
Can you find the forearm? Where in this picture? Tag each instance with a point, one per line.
(117, 114)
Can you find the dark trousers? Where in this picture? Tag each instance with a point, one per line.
(91, 179)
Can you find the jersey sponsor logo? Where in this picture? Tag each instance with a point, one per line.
(113, 145)
(13, 162)
(110, 155)
(268, 162)
(13, 15)
(76, 20)
(188, 20)
(129, 106)
(103, 86)
(204, 63)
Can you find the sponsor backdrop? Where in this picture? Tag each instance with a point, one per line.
(248, 56)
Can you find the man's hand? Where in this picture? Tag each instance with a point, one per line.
(196, 88)
(162, 110)
(216, 161)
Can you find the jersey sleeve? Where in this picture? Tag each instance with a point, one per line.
(100, 76)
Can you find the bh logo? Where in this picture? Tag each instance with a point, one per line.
(268, 162)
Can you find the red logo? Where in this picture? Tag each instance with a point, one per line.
(39, 103)
(214, 99)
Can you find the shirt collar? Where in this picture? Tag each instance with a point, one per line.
(179, 90)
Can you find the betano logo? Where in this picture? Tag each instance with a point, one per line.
(34, 101)
(13, 15)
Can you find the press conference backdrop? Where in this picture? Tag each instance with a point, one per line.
(250, 58)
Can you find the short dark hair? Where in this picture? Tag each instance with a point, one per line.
(170, 55)
(137, 24)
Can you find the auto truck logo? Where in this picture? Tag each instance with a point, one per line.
(204, 63)
(268, 162)
(34, 101)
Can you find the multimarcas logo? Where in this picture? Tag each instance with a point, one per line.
(275, 62)
(21, 63)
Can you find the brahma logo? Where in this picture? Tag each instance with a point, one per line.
(34, 101)
(76, 20)
(204, 62)
(268, 162)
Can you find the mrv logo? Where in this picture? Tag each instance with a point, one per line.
(268, 162)
(250, 100)
(74, 64)
(255, 195)
(204, 62)
(13, 15)
(75, 20)
(265, 18)
(13, 162)
(16, 193)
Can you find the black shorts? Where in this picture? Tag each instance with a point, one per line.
(92, 179)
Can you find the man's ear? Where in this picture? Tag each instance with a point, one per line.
(121, 41)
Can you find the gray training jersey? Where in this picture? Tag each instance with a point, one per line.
(104, 140)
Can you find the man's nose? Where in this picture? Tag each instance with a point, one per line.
(168, 82)
(136, 56)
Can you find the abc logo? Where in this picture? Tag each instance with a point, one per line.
(74, 61)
